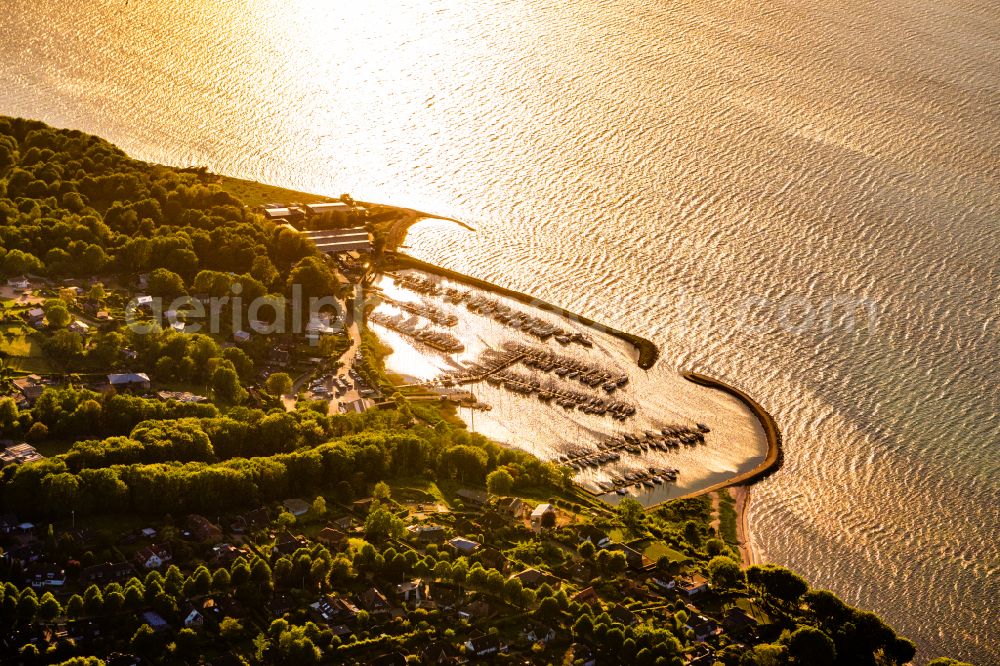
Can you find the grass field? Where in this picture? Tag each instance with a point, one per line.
(253, 193)
(657, 549)
(24, 348)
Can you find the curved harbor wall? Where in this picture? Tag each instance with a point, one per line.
(771, 462)
(648, 352)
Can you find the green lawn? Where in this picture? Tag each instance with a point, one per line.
(24, 347)
(657, 549)
(252, 193)
(18, 341)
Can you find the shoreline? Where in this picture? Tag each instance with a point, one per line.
(741, 494)
(740, 485)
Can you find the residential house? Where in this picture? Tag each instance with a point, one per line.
(463, 545)
(297, 507)
(287, 543)
(624, 616)
(700, 655)
(738, 624)
(45, 575)
(8, 523)
(473, 497)
(225, 554)
(30, 387)
(106, 572)
(280, 603)
(538, 633)
(26, 553)
(475, 609)
(203, 529)
(374, 602)
(703, 627)
(363, 505)
(257, 519)
(541, 515)
(430, 533)
(483, 646)
(691, 585)
(491, 558)
(333, 609)
(439, 653)
(394, 658)
(19, 283)
(586, 596)
(129, 381)
(35, 316)
(193, 617)
(79, 327)
(511, 506)
(332, 537)
(155, 620)
(636, 561)
(412, 591)
(19, 453)
(152, 557)
(533, 578)
(344, 523)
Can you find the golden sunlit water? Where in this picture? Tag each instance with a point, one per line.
(651, 165)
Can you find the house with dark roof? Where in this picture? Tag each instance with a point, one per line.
(394, 658)
(155, 620)
(286, 543)
(470, 496)
(203, 529)
(586, 596)
(332, 537)
(344, 523)
(280, 603)
(491, 558)
(41, 574)
(8, 523)
(702, 627)
(439, 653)
(106, 572)
(374, 601)
(297, 506)
(250, 521)
(477, 609)
(463, 545)
(691, 585)
(484, 645)
(336, 610)
(737, 623)
(622, 615)
(533, 578)
(30, 387)
(153, 557)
